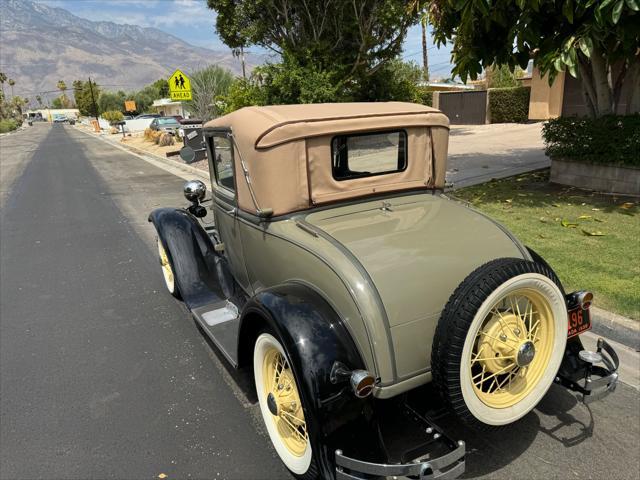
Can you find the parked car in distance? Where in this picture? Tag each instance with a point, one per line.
(57, 118)
(147, 115)
(362, 299)
(165, 124)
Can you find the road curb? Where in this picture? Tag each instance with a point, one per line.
(616, 327)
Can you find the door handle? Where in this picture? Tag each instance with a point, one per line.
(229, 212)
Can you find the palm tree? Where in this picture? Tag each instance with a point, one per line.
(3, 78)
(424, 18)
(11, 82)
(39, 100)
(63, 98)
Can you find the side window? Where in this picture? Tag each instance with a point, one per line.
(223, 162)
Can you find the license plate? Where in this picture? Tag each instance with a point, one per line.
(579, 321)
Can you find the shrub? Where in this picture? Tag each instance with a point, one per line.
(425, 96)
(165, 139)
(508, 105)
(610, 139)
(8, 125)
(113, 116)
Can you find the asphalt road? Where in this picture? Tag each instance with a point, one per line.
(104, 375)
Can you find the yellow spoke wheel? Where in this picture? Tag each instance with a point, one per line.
(500, 341)
(167, 270)
(281, 404)
(283, 401)
(512, 348)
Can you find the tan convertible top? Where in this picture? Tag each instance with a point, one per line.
(287, 151)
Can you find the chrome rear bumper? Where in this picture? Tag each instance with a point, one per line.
(448, 466)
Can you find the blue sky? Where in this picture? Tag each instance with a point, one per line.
(193, 22)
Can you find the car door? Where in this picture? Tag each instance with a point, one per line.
(221, 165)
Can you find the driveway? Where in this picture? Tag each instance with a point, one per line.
(478, 153)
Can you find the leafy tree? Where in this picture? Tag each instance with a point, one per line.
(597, 40)
(112, 101)
(82, 96)
(39, 100)
(11, 83)
(206, 85)
(57, 103)
(162, 87)
(345, 42)
(499, 76)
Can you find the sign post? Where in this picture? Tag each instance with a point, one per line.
(179, 86)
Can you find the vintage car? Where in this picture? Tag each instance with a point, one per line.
(330, 264)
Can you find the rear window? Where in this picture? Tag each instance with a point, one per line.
(166, 121)
(368, 154)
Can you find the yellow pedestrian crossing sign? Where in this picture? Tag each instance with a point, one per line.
(179, 86)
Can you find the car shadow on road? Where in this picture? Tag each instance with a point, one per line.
(491, 450)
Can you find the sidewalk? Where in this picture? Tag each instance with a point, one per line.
(478, 153)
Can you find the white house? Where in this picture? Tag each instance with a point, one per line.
(169, 108)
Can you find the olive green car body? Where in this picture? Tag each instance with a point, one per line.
(387, 265)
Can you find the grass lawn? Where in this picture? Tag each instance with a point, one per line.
(592, 241)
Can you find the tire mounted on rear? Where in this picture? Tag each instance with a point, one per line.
(500, 341)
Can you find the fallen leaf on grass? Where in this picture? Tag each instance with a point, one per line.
(555, 205)
(593, 234)
(599, 220)
(509, 200)
(568, 224)
(584, 217)
(162, 475)
(544, 220)
(596, 209)
(627, 205)
(524, 194)
(542, 236)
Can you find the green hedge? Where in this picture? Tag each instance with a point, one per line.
(424, 96)
(611, 139)
(509, 105)
(8, 125)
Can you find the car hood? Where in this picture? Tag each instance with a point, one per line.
(417, 249)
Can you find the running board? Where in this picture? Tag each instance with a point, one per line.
(221, 322)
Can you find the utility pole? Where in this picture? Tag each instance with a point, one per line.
(93, 100)
(425, 54)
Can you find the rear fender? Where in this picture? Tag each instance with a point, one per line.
(192, 255)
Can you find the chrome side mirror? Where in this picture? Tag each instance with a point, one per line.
(195, 190)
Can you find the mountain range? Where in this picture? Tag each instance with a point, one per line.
(40, 45)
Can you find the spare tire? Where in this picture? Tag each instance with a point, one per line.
(500, 341)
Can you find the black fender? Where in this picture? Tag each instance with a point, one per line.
(192, 255)
(536, 257)
(314, 337)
